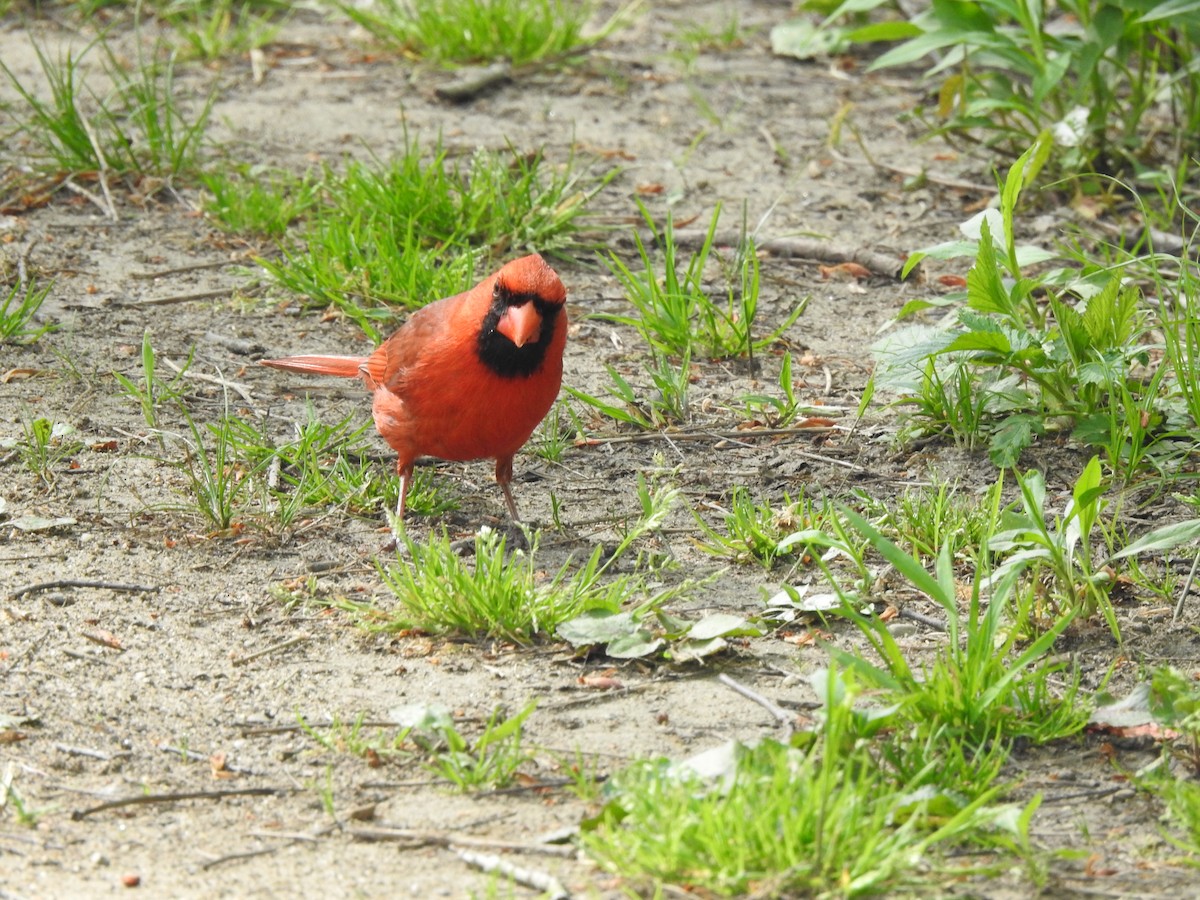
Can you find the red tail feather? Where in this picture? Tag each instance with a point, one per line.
(342, 366)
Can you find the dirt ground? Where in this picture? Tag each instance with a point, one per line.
(98, 724)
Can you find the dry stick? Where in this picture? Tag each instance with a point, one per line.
(810, 248)
(442, 839)
(86, 657)
(94, 754)
(240, 389)
(77, 582)
(103, 163)
(1187, 586)
(181, 270)
(539, 881)
(142, 799)
(84, 192)
(936, 624)
(182, 298)
(274, 648)
(781, 715)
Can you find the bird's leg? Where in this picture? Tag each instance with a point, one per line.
(504, 478)
(405, 471)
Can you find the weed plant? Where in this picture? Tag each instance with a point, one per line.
(17, 310)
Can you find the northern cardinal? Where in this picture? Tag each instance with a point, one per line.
(466, 377)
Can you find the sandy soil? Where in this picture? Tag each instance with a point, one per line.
(97, 723)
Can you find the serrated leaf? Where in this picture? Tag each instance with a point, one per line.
(1010, 438)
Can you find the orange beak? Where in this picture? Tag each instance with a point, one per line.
(521, 324)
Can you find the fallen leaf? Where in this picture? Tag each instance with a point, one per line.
(217, 764)
(600, 682)
(650, 189)
(844, 271)
(104, 447)
(104, 639)
(952, 281)
(19, 375)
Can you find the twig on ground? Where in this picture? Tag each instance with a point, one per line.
(151, 799)
(780, 715)
(809, 248)
(937, 624)
(539, 881)
(274, 648)
(181, 298)
(240, 389)
(94, 754)
(1187, 586)
(102, 161)
(417, 837)
(182, 270)
(83, 583)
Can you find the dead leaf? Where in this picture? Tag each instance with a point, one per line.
(19, 375)
(844, 271)
(952, 281)
(649, 189)
(104, 639)
(217, 764)
(600, 682)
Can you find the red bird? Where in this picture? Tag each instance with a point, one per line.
(466, 377)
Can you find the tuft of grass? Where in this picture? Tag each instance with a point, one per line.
(928, 518)
(136, 129)
(453, 32)
(676, 315)
(374, 744)
(490, 761)
(416, 228)
(831, 819)
(215, 29)
(151, 392)
(17, 310)
(984, 685)
(508, 594)
(45, 445)
(258, 201)
(754, 531)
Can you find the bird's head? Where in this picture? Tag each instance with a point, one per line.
(527, 300)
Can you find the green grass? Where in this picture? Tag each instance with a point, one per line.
(135, 130)
(676, 314)
(451, 32)
(258, 200)
(422, 226)
(214, 29)
(754, 530)
(509, 594)
(18, 307)
(45, 445)
(488, 762)
(828, 819)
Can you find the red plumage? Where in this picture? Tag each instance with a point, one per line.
(466, 377)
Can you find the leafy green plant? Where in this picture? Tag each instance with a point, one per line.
(470, 31)
(667, 404)
(776, 411)
(983, 684)
(676, 315)
(1116, 84)
(17, 310)
(151, 392)
(491, 760)
(1027, 539)
(755, 530)
(507, 594)
(1024, 358)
